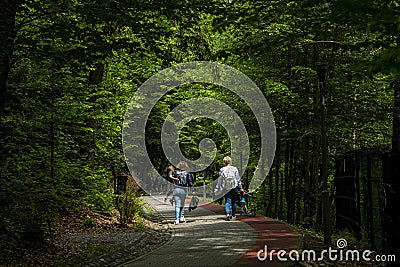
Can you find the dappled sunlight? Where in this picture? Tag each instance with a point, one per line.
(207, 239)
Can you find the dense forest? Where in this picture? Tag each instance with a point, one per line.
(68, 70)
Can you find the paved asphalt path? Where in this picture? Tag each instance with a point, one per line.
(207, 239)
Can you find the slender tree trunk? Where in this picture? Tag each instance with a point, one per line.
(307, 211)
(292, 185)
(95, 78)
(315, 196)
(281, 196)
(396, 117)
(288, 182)
(268, 193)
(297, 183)
(286, 173)
(355, 115)
(271, 192)
(96, 75)
(264, 197)
(317, 167)
(277, 176)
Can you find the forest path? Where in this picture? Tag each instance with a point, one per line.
(207, 239)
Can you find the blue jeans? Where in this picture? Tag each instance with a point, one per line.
(179, 198)
(230, 199)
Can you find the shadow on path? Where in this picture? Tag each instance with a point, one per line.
(207, 239)
(274, 234)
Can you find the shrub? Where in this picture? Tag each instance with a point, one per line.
(129, 205)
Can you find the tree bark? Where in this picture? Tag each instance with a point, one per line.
(286, 179)
(95, 77)
(288, 176)
(271, 191)
(277, 176)
(291, 185)
(396, 117)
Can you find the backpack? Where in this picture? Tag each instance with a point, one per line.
(229, 175)
(185, 178)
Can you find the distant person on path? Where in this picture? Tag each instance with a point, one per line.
(229, 181)
(149, 183)
(182, 178)
(170, 180)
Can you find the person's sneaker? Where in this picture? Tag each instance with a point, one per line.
(182, 219)
(228, 218)
(171, 201)
(233, 218)
(176, 221)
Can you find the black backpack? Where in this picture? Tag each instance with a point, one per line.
(185, 178)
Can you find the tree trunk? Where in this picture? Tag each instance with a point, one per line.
(286, 173)
(396, 117)
(297, 183)
(95, 77)
(288, 182)
(281, 196)
(308, 200)
(264, 196)
(291, 185)
(271, 192)
(277, 176)
(268, 194)
(317, 159)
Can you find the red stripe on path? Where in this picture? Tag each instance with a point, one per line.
(274, 234)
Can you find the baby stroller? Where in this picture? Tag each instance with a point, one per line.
(244, 201)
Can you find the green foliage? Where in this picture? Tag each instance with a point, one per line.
(98, 195)
(101, 202)
(130, 206)
(60, 133)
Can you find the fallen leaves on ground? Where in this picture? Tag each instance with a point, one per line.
(78, 236)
